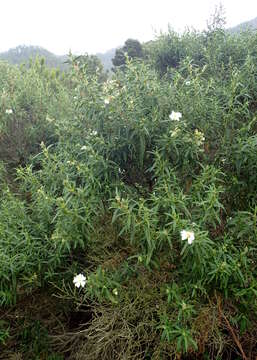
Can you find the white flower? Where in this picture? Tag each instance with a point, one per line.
(187, 83)
(175, 116)
(93, 133)
(79, 280)
(187, 235)
(8, 111)
(106, 101)
(84, 147)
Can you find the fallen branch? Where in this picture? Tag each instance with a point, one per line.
(235, 338)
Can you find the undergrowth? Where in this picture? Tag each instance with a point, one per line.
(128, 214)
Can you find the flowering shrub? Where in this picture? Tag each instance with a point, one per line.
(28, 109)
(149, 190)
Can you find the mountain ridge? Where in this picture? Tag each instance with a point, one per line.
(23, 53)
(250, 24)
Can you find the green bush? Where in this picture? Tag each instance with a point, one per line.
(30, 101)
(148, 191)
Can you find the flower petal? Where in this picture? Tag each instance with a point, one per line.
(183, 234)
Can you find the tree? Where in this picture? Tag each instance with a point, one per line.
(132, 49)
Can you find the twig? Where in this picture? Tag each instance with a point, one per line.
(231, 330)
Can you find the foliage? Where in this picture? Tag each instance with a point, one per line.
(28, 109)
(91, 63)
(131, 49)
(146, 185)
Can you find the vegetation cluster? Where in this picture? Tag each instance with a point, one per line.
(128, 214)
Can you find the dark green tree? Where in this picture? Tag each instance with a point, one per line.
(132, 49)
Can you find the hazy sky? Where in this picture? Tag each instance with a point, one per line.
(98, 25)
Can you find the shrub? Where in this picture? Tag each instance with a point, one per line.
(149, 192)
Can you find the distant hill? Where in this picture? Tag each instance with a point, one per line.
(106, 58)
(22, 54)
(251, 24)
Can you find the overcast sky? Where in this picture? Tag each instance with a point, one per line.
(98, 25)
